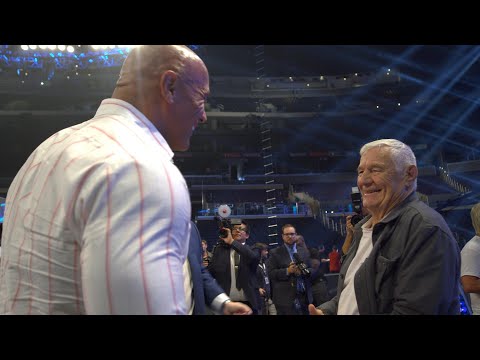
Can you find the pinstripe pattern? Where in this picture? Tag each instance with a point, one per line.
(97, 221)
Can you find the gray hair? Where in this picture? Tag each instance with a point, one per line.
(475, 214)
(402, 154)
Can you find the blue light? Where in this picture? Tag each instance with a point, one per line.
(52, 55)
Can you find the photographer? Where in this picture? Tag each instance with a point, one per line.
(203, 295)
(349, 237)
(350, 226)
(234, 265)
(288, 269)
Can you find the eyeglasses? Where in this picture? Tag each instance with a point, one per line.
(240, 229)
(290, 234)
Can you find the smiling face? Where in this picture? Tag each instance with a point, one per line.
(239, 233)
(188, 105)
(382, 185)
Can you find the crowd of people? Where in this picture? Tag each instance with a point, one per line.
(98, 221)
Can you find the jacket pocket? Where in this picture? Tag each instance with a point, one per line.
(384, 282)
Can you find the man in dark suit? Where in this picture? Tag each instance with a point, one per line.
(234, 266)
(291, 286)
(203, 287)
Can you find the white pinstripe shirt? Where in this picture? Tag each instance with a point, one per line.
(97, 221)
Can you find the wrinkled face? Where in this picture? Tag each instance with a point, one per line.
(188, 108)
(289, 235)
(381, 185)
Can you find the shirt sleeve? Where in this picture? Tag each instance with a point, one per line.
(470, 264)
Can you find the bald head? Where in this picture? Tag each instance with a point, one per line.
(147, 61)
(169, 85)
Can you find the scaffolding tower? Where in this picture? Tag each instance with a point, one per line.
(267, 154)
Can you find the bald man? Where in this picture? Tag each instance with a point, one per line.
(97, 220)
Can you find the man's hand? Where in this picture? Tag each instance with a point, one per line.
(262, 292)
(236, 308)
(293, 269)
(349, 224)
(228, 239)
(314, 311)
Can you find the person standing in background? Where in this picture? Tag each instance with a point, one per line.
(264, 288)
(206, 255)
(290, 286)
(470, 274)
(334, 257)
(201, 289)
(234, 266)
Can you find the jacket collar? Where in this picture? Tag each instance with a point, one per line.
(395, 212)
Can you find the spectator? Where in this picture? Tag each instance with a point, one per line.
(403, 258)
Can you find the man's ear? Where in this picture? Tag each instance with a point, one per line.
(411, 174)
(168, 82)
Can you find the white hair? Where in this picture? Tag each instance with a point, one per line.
(475, 214)
(402, 155)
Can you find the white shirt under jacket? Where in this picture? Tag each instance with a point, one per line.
(97, 221)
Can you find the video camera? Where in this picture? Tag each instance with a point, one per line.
(226, 223)
(301, 265)
(357, 206)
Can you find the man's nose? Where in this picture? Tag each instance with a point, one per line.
(203, 117)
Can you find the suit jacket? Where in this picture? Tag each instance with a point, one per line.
(205, 288)
(220, 269)
(284, 287)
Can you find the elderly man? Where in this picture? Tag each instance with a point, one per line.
(404, 259)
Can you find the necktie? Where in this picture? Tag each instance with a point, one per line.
(236, 256)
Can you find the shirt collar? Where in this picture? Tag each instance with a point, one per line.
(119, 107)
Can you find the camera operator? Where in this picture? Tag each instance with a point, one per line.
(291, 289)
(353, 220)
(203, 295)
(348, 239)
(234, 265)
(349, 227)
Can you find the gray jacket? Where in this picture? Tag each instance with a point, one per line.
(414, 266)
